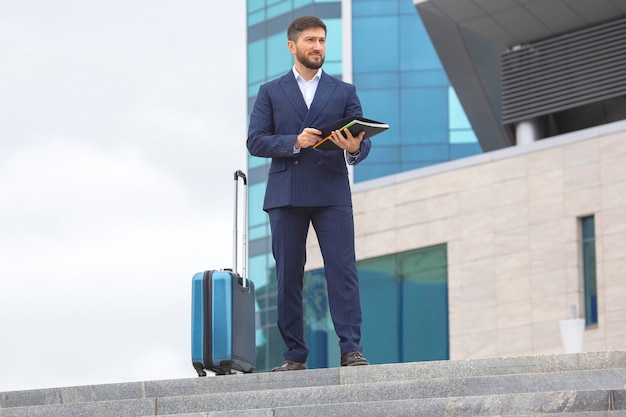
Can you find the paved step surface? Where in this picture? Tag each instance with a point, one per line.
(570, 385)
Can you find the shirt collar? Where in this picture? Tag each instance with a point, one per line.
(317, 75)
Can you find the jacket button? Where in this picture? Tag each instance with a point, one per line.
(295, 162)
(320, 163)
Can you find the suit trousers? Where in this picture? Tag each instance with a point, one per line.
(334, 226)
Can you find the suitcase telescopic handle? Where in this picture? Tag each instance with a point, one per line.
(244, 244)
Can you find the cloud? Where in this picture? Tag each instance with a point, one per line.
(120, 126)
(97, 254)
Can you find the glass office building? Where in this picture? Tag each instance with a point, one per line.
(400, 81)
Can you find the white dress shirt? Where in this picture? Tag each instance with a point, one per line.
(308, 88)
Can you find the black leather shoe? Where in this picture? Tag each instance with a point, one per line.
(353, 359)
(290, 366)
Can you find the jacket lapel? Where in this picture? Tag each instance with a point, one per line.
(322, 95)
(293, 94)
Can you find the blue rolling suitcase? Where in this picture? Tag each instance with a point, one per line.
(223, 313)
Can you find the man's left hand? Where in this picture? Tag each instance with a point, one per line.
(348, 142)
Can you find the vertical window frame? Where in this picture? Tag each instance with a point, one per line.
(588, 270)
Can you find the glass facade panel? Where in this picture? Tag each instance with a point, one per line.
(253, 88)
(379, 36)
(425, 153)
(416, 50)
(332, 63)
(458, 118)
(253, 161)
(406, 87)
(423, 296)
(379, 80)
(418, 122)
(378, 170)
(383, 105)
(316, 313)
(256, 193)
(462, 150)
(404, 298)
(380, 292)
(388, 153)
(279, 8)
(256, 61)
(423, 79)
(257, 232)
(255, 5)
(256, 17)
(279, 59)
(258, 265)
(373, 7)
(462, 136)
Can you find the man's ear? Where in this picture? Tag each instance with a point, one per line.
(292, 46)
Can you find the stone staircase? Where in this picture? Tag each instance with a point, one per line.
(589, 384)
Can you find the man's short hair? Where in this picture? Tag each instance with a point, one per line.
(301, 24)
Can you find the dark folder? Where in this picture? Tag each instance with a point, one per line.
(355, 124)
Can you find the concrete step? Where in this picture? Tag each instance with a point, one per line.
(553, 404)
(593, 403)
(334, 396)
(410, 411)
(542, 403)
(518, 386)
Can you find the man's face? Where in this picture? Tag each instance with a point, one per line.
(310, 48)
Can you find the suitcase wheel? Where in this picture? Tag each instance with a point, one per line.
(199, 369)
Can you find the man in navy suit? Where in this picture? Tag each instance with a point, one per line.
(307, 186)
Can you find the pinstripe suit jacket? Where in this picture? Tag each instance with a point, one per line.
(310, 178)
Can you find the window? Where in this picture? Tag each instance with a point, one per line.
(404, 299)
(590, 287)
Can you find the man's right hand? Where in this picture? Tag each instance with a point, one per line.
(308, 138)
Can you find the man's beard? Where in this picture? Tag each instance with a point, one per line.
(308, 63)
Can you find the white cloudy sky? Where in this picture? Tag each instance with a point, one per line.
(121, 123)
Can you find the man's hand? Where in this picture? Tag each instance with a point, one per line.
(307, 138)
(348, 142)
